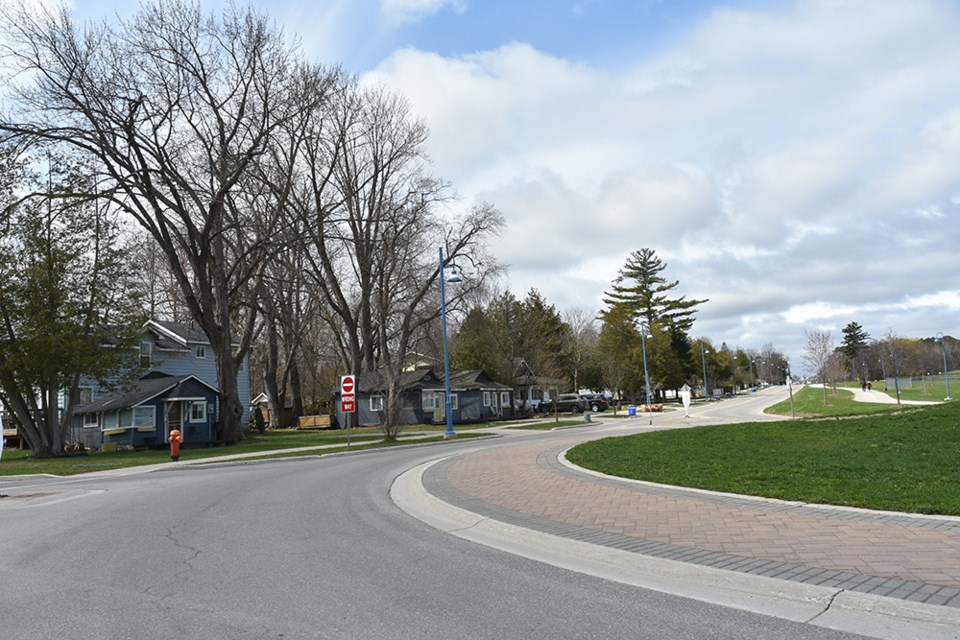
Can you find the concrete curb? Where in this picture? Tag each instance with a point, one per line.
(876, 616)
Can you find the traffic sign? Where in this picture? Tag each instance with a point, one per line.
(347, 405)
(347, 384)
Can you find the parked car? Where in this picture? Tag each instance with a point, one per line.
(596, 402)
(575, 403)
(565, 402)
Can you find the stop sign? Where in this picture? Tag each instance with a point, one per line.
(347, 385)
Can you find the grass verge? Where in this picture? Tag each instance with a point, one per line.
(808, 403)
(893, 461)
(23, 463)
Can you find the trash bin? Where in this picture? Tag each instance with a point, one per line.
(632, 410)
(586, 417)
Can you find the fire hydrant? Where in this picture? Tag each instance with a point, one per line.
(175, 440)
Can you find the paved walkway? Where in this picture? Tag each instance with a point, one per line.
(914, 558)
(877, 397)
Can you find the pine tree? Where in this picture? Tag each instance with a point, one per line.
(646, 293)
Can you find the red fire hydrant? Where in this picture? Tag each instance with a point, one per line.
(175, 440)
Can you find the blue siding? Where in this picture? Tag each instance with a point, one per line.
(181, 361)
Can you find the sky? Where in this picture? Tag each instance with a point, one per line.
(795, 162)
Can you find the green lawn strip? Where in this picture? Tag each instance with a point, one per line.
(808, 402)
(22, 462)
(932, 389)
(895, 461)
(546, 425)
(381, 444)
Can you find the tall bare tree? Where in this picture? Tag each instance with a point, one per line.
(178, 108)
(372, 224)
(816, 355)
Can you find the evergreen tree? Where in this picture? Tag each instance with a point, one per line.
(646, 293)
(854, 341)
(63, 294)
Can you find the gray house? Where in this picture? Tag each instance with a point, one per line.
(178, 373)
(474, 397)
(144, 413)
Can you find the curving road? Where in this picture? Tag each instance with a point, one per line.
(304, 548)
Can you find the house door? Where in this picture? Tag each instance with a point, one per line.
(174, 419)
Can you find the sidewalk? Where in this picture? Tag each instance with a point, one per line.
(875, 396)
(876, 559)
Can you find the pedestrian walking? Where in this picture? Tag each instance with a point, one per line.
(175, 441)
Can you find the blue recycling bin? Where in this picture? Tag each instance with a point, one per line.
(632, 410)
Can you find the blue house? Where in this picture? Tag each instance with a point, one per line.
(177, 389)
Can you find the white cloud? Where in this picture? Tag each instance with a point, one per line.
(794, 165)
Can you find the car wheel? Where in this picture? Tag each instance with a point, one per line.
(575, 409)
(595, 408)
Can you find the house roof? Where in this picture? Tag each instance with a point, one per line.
(182, 333)
(145, 389)
(374, 381)
(475, 379)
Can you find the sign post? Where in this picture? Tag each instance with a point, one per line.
(348, 404)
(685, 396)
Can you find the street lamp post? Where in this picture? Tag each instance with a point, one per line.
(753, 381)
(646, 377)
(733, 374)
(946, 374)
(793, 413)
(703, 360)
(454, 278)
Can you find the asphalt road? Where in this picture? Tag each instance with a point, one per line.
(306, 548)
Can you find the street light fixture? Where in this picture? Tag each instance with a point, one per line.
(703, 360)
(453, 278)
(643, 343)
(946, 374)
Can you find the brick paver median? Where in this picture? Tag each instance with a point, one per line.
(911, 558)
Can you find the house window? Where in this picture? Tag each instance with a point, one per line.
(536, 394)
(437, 400)
(84, 395)
(110, 421)
(90, 421)
(504, 398)
(200, 351)
(376, 403)
(454, 404)
(146, 353)
(198, 411)
(487, 399)
(144, 416)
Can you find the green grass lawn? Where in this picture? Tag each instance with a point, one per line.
(808, 403)
(932, 389)
(548, 424)
(21, 462)
(899, 461)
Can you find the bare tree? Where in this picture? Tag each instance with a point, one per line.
(372, 223)
(581, 341)
(816, 355)
(177, 108)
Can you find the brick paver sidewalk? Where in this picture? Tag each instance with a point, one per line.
(910, 557)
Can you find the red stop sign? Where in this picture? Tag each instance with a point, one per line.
(347, 384)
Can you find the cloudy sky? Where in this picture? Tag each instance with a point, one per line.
(796, 162)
